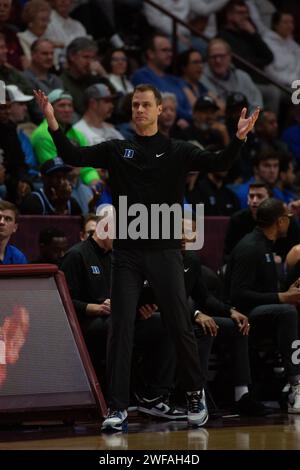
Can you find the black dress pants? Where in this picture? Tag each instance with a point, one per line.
(164, 271)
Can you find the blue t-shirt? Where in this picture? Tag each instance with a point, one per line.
(13, 256)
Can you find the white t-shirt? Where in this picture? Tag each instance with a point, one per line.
(96, 135)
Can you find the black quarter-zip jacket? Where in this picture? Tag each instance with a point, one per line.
(147, 170)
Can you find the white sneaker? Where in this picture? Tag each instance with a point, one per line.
(294, 399)
(197, 409)
(115, 421)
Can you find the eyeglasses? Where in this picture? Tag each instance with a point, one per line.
(119, 59)
(218, 56)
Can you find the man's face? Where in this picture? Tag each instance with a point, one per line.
(168, 114)
(288, 177)
(17, 112)
(5, 112)
(62, 7)
(4, 10)
(3, 52)
(89, 229)
(286, 26)
(194, 68)
(268, 171)
(161, 54)
(63, 110)
(40, 22)
(255, 197)
(219, 59)
(268, 127)
(58, 185)
(8, 224)
(43, 56)
(56, 250)
(239, 15)
(145, 110)
(104, 108)
(80, 63)
(204, 118)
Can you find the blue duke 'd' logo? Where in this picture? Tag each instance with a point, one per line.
(128, 153)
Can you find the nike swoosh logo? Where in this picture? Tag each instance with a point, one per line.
(186, 270)
(159, 154)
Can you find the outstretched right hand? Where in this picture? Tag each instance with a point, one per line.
(46, 108)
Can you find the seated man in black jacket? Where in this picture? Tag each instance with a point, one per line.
(253, 286)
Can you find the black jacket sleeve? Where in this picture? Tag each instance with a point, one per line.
(74, 271)
(206, 160)
(96, 156)
(243, 293)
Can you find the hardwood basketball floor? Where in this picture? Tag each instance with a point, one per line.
(275, 432)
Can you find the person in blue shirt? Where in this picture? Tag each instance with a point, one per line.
(9, 254)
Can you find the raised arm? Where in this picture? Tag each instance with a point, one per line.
(206, 160)
(96, 155)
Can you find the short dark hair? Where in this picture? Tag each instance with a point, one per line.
(266, 154)
(9, 206)
(269, 211)
(81, 44)
(148, 87)
(183, 59)
(47, 234)
(285, 161)
(260, 184)
(87, 219)
(276, 17)
(34, 46)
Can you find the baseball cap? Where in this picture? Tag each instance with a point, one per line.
(236, 100)
(15, 95)
(205, 102)
(98, 91)
(59, 94)
(54, 164)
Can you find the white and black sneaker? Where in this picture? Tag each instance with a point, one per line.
(159, 407)
(196, 408)
(115, 421)
(294, 398)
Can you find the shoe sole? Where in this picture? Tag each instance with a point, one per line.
(198, 425)
(121, 428)
(160, 415)
(294, 411)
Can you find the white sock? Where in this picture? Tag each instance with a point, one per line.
(239, 391)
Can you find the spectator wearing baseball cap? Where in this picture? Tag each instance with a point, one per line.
(17, 113)
(41, 140)
(55, 196)
(98, 105)
(205, 128)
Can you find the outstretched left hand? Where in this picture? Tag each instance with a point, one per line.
(245, 125)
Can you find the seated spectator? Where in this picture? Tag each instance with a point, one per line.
(126, 126)
(190, 67)
(55, 197)
(253, 286)
(244, 221)
(99, 104)
(17, 112)
(41, 140)
(36, 16)
(8, 32)
(266, 130)
(266, 170)
(53, 245)
(222, 78)
(287, 178)
(11, 151)
(205, 128)
(216, 197)
(241, 34)
(158, 53)
(116, 64)
(286, 51)
(38, 73)
(62, 28)
(167, 118)
(9, 254)
(214, 319)
(7, 73)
